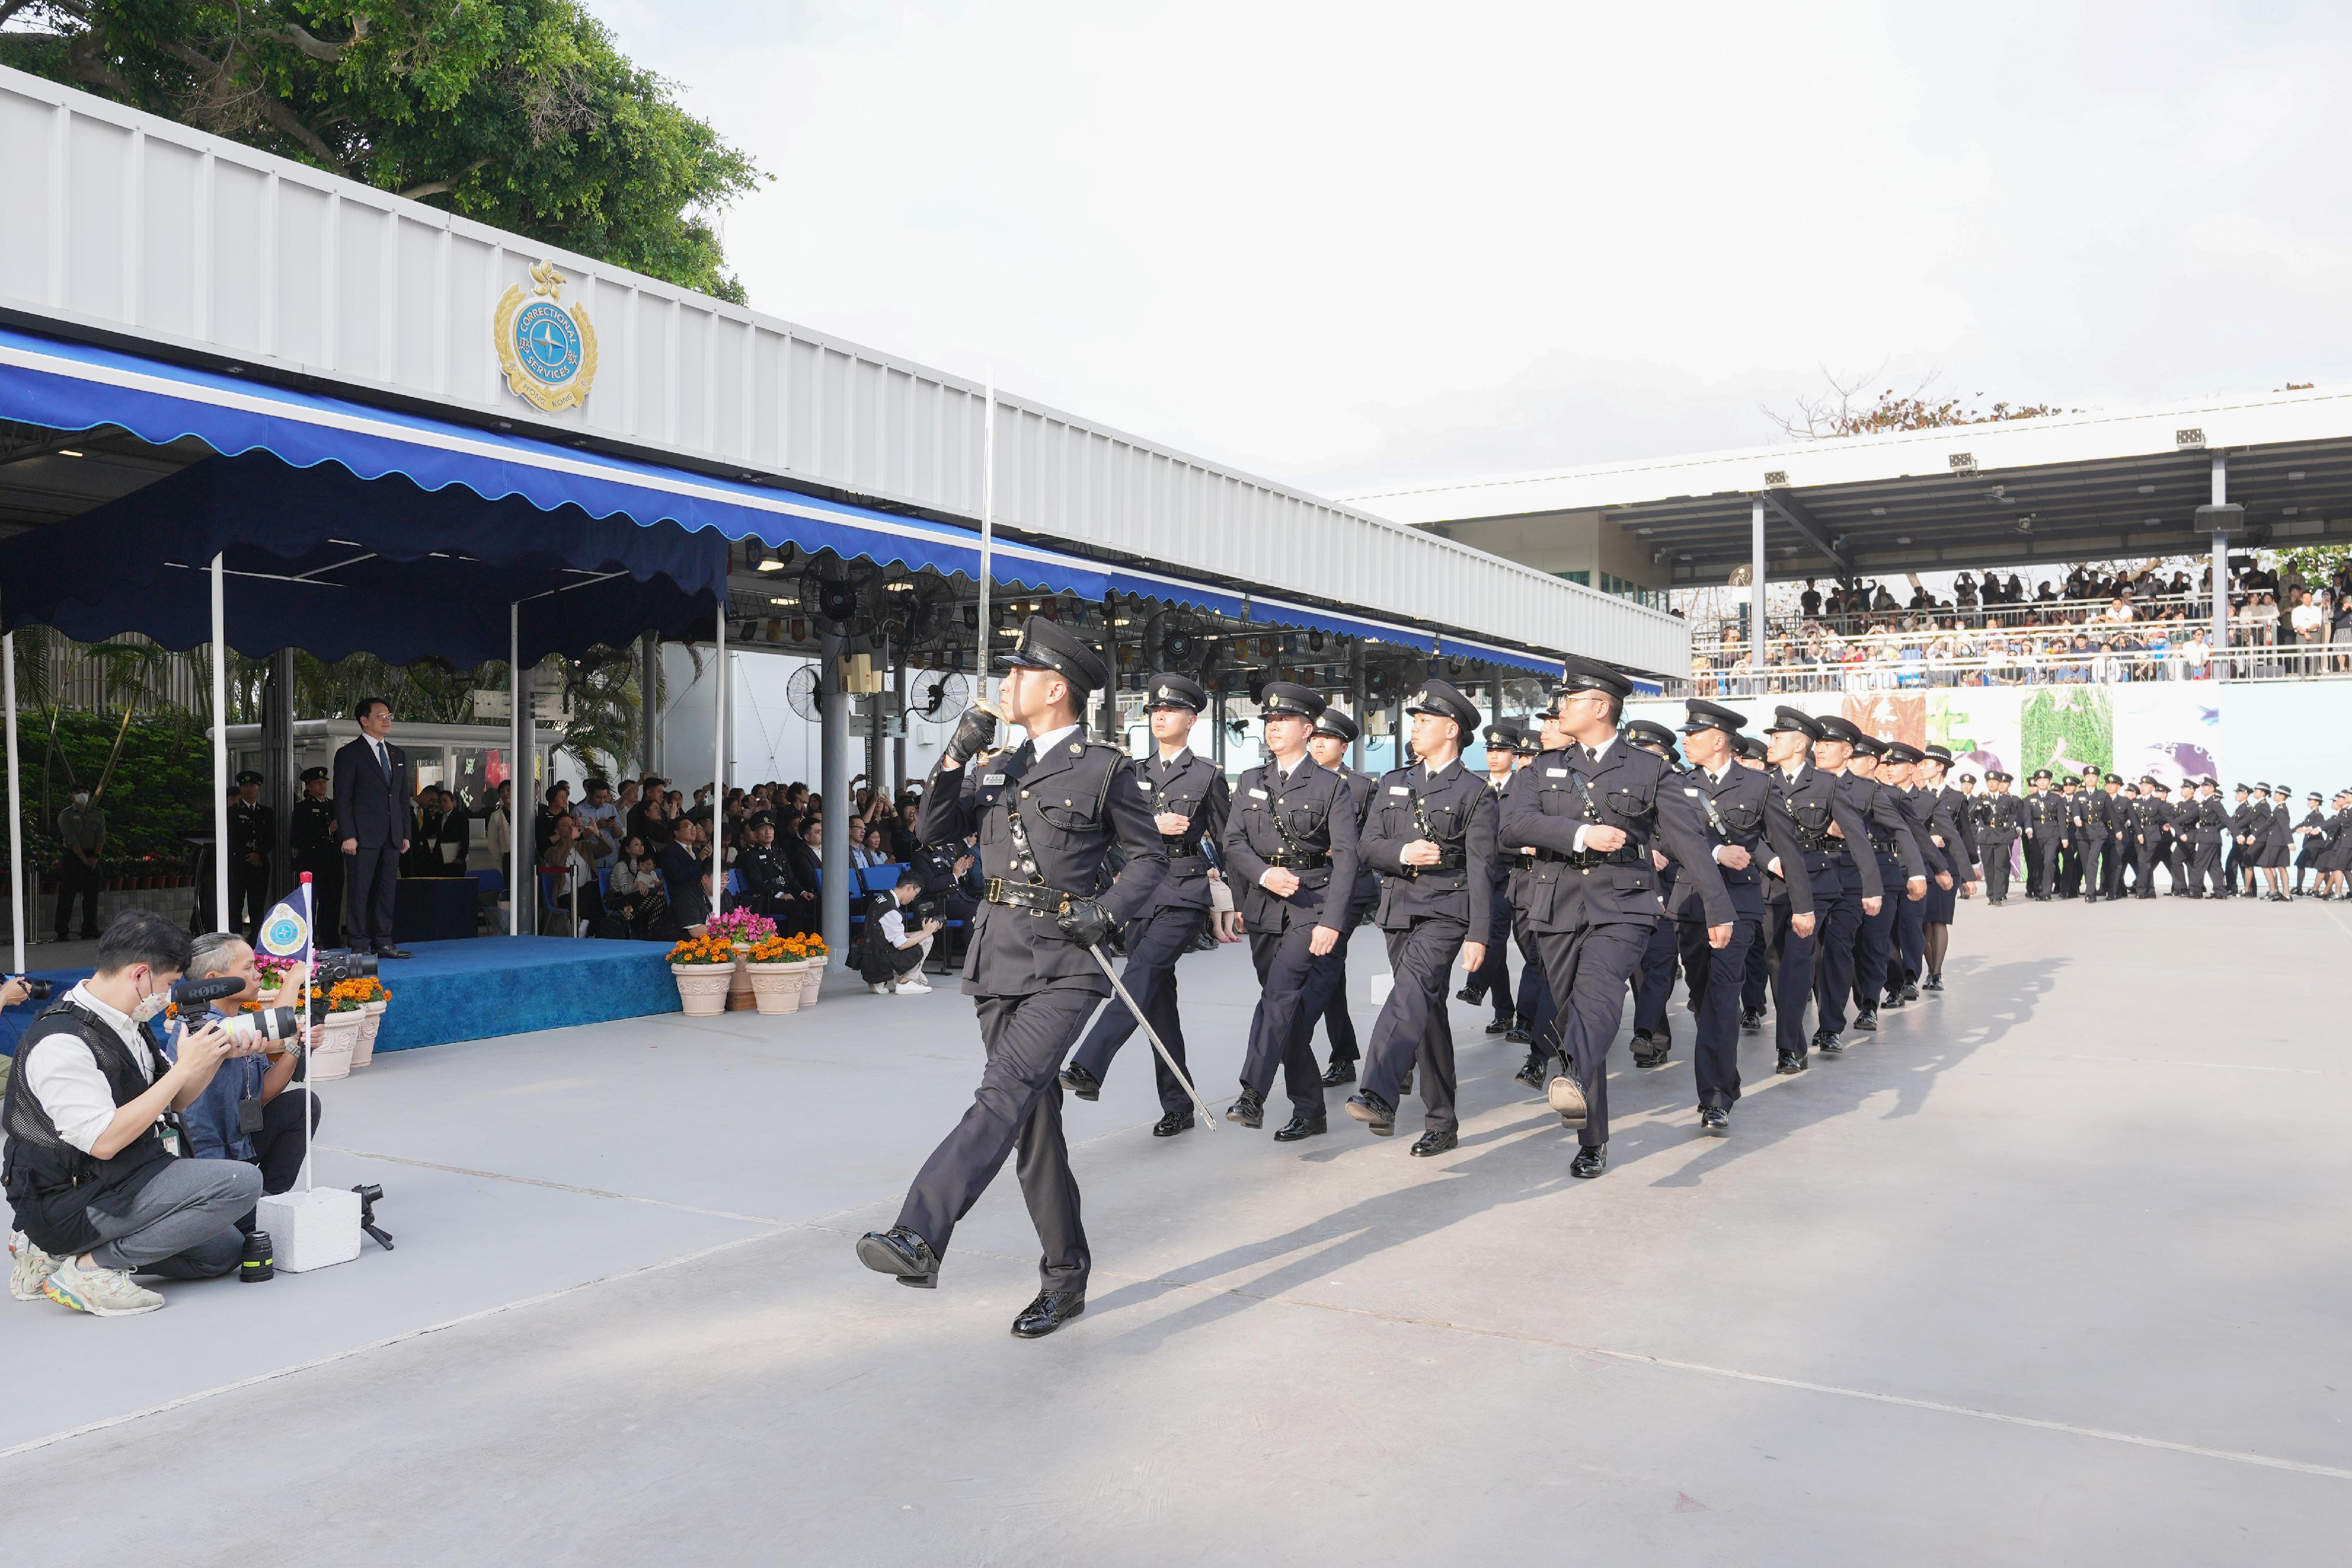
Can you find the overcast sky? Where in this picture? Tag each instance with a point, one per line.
(1346, 246)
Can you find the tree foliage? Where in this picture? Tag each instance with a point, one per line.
(520, 114)
(1848, 409)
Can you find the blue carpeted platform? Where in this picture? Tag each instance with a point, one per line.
(486, 987)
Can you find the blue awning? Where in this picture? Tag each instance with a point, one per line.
(73, 386)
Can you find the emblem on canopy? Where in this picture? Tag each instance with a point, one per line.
(549, 351)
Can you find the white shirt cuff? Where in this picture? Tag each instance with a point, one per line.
(1578, 844)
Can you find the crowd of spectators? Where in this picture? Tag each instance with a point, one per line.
(2088, 627)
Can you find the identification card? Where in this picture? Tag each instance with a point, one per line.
(1555, 772)
(1399, 790)
(1258, 794)
(989, 781)
(1144, 785)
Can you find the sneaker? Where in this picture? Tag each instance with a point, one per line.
(882, 987)
(105, 1292)
(918, 987)
(33, 1268)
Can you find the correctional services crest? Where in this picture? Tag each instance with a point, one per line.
(549, 351)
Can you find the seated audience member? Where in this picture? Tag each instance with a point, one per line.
(600, 823)
(577, 877)
(98, 1192)
(217, 1123)
(685, 866)
(894, 956)
(636, 897)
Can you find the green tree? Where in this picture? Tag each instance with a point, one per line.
(520, 114)
(1845, 410)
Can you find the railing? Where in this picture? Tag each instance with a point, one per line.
(2032, 615)
(1924, 669)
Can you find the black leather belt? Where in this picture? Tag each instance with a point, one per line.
(1299, 860)
(1884, 846)
(1823, 844)
(1629, 855)
(1034, 895)
(1177, 851)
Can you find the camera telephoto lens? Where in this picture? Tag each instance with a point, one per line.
(260, 1260)
(37, 990)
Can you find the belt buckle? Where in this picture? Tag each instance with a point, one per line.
(994, 892)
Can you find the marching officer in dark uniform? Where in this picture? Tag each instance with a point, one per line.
(1334, 733)
(2311, 834)
(1592, 807)
(1494, 976)
(2206, 831)
(2151, 825)
(2237, 868)
(1538, 1020)
(1842, 876)
(1188, 796)
(310, 827)
(1654, 983)
(1747, 828)
(2181, 822)
(1431, 831)
(252, 833)
(1899, 859)
(1954, 832)
(1290, 853)
(2091, 842)
(2049, 828)
(1999, 829)
(1047, 814)
(1937, 838)
(2279, 847)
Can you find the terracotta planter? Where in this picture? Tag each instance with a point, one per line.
(812, 980)
(702, 987)
(776, 988)
(740, 998)
(371, 1019)
(330, 1046)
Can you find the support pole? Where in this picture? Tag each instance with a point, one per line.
(719, 763)
(15, 810)
(1759, 636)
(649, 700)
(1356, 703)
(1111, 731)
(899, 741)
(278, 788)
(832, 764)
(2220, 659)
(987, 544)
(221, 920)
(521, 895)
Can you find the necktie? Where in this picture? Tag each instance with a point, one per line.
(383, 760)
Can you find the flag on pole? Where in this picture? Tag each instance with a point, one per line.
(286, 934)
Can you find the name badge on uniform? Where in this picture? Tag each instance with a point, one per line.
(1555, 772)
(1258, 794)
(1399, 790)
(1692, 793)
(1144, 785)
(991, 779)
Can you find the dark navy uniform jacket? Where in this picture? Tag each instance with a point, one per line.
(314, 832)
(1627, 789)
(1362, 787)
(1457, 810)
(1191, 786)
(1275, 816)
(2051, 816)
(1074, 798)
(2004, 816)
(1747, 812)
(1891, 836)
(1963, 821)
(1816, 803)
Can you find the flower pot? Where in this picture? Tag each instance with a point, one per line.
(702, 987)
(330, 1046)
(740, 997)
(776, 988)
(811, 978)
(372, 1020)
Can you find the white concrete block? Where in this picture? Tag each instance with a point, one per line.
(1381, 986)
(311, 1230)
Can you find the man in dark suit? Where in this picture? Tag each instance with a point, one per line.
(372, 795)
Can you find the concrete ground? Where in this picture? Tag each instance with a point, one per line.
(2051, 1270)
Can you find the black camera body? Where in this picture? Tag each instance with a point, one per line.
(37, 990)
(330, 969)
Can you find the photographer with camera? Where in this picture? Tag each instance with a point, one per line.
(894, 955)
(93, 1169)
(247, 1111)
(21, 989)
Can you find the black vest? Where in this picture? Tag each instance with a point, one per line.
(51, 1184)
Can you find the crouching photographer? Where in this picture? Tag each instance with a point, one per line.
(92, 1169)
(251, 1111)
(894, 955)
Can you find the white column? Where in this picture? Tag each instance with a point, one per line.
(987, 538)
(719, 757)
(1759, 639)
(833, 769)
(2221, 571)
(16, 808)
(221, 920)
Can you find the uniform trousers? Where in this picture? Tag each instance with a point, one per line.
(1413, 1027)
(1154, 942)
(1491, 980)
(2205, 868)
(1997, 866)
(1653, 982)
(78, 881)
(1911, 937)
(1294, 987)
(1537, 1016)
(2042, 865)
(2070, 869)
(1720, 971)
(2094, 861)
(2176, 862)
(1338, 1024)
(374, 878)
(1018, 1104)
(1873, 944)
(248, 896)
(1587, 970)
(1755, 980)
(1794, 957)
(1837, 937)
(2148, 856)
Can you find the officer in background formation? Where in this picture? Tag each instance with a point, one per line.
(2238, 866)
(1747, 828)
(765, 880)
(2206, 830)
(1592, 807)
(1047, 815)
(1494, 976)
(1290, 850)
(1431, 832)
(1334, 733)
(2048, 830)
(1654, 983)
(1960, 849)
(1841, 874)
(1538, 1020)
(2001, 823)
(2310, 840)
(311, 832)
(252, 832)
(1844, 751)
(1907, 957)
(1188, 796)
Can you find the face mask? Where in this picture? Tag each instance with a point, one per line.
(81, 798)
(150, 1008)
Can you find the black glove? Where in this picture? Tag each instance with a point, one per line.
(1086, 921)
(973, 732)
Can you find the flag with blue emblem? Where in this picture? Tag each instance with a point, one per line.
(286, 934)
